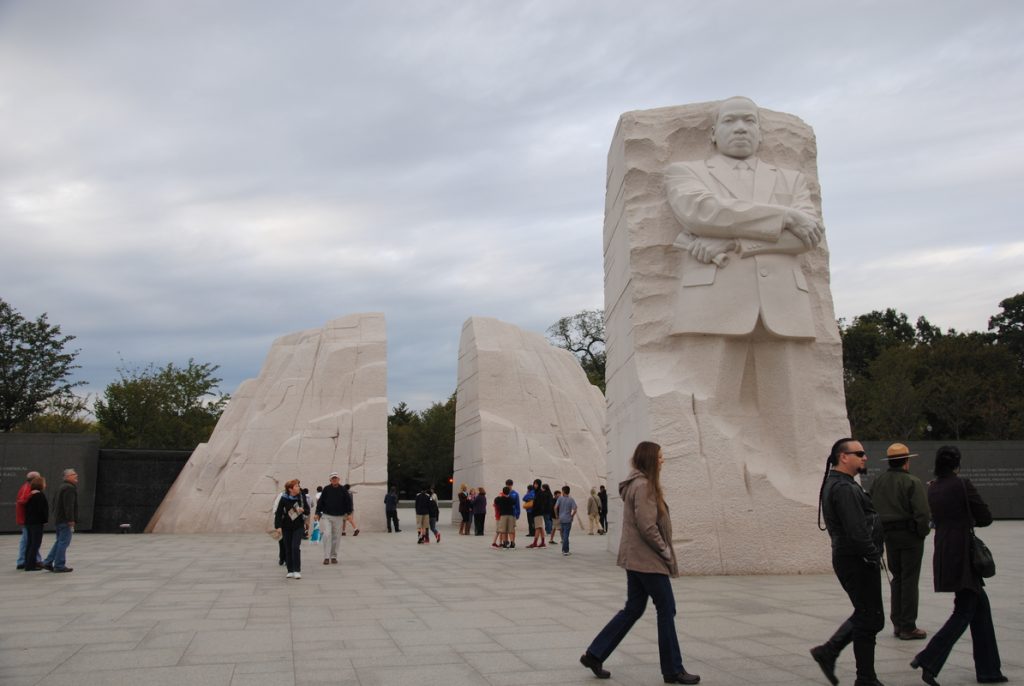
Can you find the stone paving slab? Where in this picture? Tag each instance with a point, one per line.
(199, 610)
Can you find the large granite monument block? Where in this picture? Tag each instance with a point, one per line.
(721, 337)
(319, 405)
(524, 410)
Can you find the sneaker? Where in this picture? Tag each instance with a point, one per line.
(356, 532)
(20, 567)
(48, 566)
(567, 553)
(289, 575)
(334, 560)
(495, 545)
(342, 533)
(326, 561)
(438, 534)
(297, 576)
(62, 570)
(512, 544)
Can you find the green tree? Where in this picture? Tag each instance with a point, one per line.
(971, 388)
(161, 407)
(66, 413)
(421, 447)
(582, 334)
(886, 402)
(868, 335)
(1008, 326)
(34, 365)
(435, 446)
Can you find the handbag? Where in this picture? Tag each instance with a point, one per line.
(981, 558)
(982, 562)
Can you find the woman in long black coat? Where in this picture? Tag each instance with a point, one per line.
(956, 506)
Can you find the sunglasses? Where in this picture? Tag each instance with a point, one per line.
(858, 453)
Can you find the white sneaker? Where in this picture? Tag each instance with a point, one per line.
(297, 576)
(289, 575)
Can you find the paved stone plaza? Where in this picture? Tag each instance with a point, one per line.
(149, 610)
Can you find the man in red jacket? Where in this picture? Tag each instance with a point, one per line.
(19, 516)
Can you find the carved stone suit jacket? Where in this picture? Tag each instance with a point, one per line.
(764, 279)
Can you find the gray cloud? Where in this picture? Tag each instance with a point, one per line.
(196, 179)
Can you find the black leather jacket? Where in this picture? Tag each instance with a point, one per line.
(852, 522)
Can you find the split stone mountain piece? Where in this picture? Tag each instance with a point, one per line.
(319, 405)
(721, 337)
(524, 410)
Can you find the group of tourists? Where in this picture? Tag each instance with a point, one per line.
(543, 509)
(32, 511)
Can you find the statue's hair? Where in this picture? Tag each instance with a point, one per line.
(718, 107)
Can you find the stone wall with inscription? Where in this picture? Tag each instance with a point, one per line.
(996, 468)
(50, 455)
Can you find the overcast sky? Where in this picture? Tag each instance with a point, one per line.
(194, 179)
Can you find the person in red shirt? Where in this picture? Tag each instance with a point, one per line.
(24, 493)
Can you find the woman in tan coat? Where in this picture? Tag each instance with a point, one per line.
(645, 551)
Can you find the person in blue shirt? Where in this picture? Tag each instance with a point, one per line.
(516, 510)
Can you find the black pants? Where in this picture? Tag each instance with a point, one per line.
(35, 540)
(292, 539)
(392, 516)
(863, 584)
(529, 524)
(603, 518)
(478, 521)
(970, 609)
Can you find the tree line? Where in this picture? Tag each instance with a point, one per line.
(903, 381)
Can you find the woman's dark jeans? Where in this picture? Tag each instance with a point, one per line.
(640, 586)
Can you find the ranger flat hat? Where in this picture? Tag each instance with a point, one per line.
(898, 451)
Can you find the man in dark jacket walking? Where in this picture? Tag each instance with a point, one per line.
(65, 514)
(856, 534)
(902, 504)
(331, 508)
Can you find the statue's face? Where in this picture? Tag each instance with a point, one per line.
(736, 132)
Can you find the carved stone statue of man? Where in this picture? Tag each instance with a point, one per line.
(743, 300)
(722, 341)
(743, 222)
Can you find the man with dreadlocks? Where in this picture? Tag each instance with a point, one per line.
(856, 533)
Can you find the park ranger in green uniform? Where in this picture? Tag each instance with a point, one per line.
(901, 501)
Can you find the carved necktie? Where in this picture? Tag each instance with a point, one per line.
(745, 176)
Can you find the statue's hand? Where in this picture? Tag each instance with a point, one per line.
(705, 250)
(805, 227)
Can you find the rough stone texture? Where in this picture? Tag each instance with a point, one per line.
(319, 405)
(742, 484)
(524, 410)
